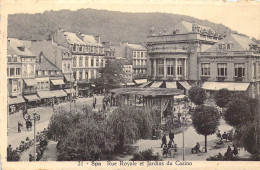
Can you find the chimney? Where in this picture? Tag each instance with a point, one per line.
(97, 38)
(151, 30)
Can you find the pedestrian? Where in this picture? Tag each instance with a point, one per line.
(171, 135)
(27, 125)
(164, 141)
(104, 106)
(30, 157)
(19, 126)
(94, 105)
(235, 151)
(95, 100)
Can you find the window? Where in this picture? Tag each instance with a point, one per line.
(87, 48)
(179, 68)
(19, 87)
(8, 72)
(31, 69)
(18, 71)
(64, 55)
(92, 62)
(228, 46)
(239, 70)
(9, 59)
(80, 61)
(68, 66)
(74, 48)
(52, 73)
(102, 63)
(142, 54)
(64, 67)
(205, 69)
(86, 61)
(80, 75)
(86, 75)
(97, 49)
(160, 67)
(24, 69)
(254, 69)
(38, 85)
(134, 54)
(46, 84)
(80, 48)
(92, 73)
(169, 67)
(141, 62)
(74, 62)
(39, 73)
(92, 49)
(138, 54)
(97, 62)
(222, 69)
(46, 73)
(12, 72)
(42, 85)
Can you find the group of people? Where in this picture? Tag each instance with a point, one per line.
(224, 136)
(230, 153)
(170, 146)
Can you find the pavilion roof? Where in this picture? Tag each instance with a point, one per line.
(148, 91)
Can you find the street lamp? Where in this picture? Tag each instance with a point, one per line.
(36, 117)
(184, 121)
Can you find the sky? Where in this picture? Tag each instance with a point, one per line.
(243, 16)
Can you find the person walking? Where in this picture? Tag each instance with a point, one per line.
(94, 105)
(171, 135)
(19, 126)
(164, 141)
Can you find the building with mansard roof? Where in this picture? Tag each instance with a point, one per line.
(232, 63)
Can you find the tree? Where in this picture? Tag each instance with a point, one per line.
(111, 76)
(197, 95)
(146, 155)
(238, 112)
(205, 121)
(130, 124)
(222, 97)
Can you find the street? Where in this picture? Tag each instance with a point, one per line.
(14, 138)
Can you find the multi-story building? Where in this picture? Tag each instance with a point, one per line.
(60, 57)
(232, 63)
(27, 62)
(48, 76)
(109, 51)
(14, 74)
(173, 53)
(138, 54)
(87, 55)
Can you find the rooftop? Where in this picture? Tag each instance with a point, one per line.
(90, 40)
(148, 91)
(17, 47)
(44, 64)
(72, 38)
(239, 43)
(136, 46)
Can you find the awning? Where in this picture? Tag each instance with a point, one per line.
(140, 81)
(185, 85)
(156, 84)
(30, 82)
(15, 100)
(171, 85)
(130, 84)
(214, 86)
(32, 98)
(57, 82)
(68, 91)
(45, 94)
(145, 84)
(59, 93)
(179, 96)
(69, 78)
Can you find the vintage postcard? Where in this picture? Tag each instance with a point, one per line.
(163, 84)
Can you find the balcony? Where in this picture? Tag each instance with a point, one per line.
(221, 78)
(238, 79)
(140, 66)
(204, 78)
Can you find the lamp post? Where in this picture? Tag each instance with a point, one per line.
(36, 117)
(70, 90)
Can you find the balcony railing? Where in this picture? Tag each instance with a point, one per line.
(238, 79)
(221, 78)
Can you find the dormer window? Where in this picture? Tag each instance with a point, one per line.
(21, 48)
(229, 46)
(74, 48)
(87, 48)
(80, 48)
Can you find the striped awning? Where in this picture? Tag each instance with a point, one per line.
(69, 78)
(214, 86)
(140, 81)
(185, 85)
(31, 98)
(15, 100)
(45, 94)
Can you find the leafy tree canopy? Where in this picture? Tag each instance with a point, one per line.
(197, 95)
(222, 97)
